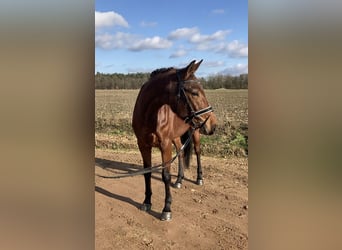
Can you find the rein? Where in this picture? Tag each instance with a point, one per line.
(154, 168)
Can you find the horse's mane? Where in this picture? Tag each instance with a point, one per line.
(160, 71)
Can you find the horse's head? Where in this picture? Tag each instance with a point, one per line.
(192, 103)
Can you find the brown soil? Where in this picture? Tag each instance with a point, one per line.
(212, 216)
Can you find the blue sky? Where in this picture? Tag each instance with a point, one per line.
(140, 36)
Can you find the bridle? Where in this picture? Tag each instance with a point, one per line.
(192, 113)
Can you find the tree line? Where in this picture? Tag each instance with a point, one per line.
(135, 80)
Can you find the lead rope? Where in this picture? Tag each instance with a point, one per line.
(154, 168)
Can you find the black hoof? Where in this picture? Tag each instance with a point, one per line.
(146, 207)
(199, 182)
(166, 216)
(177, 185)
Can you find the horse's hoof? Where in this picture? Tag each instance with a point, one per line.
(166, 216)
(199, 182)
(146, 207)
(177, 185)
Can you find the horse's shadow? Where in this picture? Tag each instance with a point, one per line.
(124, 168)
(125, 199)
(127, 168)
(116, 167)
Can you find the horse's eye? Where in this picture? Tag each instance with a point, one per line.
(194, 93)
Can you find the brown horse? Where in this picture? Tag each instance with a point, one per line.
(170, 104)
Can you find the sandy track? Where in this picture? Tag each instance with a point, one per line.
(212, 216)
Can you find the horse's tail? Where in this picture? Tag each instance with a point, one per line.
(188, 149)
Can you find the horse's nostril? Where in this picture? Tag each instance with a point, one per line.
(213, 128)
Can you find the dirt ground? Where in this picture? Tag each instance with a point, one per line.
(212, 216)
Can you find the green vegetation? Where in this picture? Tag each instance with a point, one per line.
(239, 140)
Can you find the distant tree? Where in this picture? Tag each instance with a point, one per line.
(135, 80)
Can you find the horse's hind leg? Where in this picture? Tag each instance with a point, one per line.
(146, 155)
(178, 184)
(197, 146)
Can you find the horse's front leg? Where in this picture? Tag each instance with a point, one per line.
(197, 146)
(166, 150)
(146, 155)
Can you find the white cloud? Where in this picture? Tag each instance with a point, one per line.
(234, 70)
(131, 42)
(183, 33)
(109, 19)
(218, 35)
(233, 49)
(178, 53)
(214, 42)
(115, 41)
(193, 35)
(155, 42)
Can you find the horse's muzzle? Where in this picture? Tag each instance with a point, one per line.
(208, 129)
(204, 130)
(210, 126)
(213, 128)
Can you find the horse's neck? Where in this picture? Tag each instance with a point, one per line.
(159, 95)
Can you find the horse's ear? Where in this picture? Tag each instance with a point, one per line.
(197, 65)
(191, 68)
